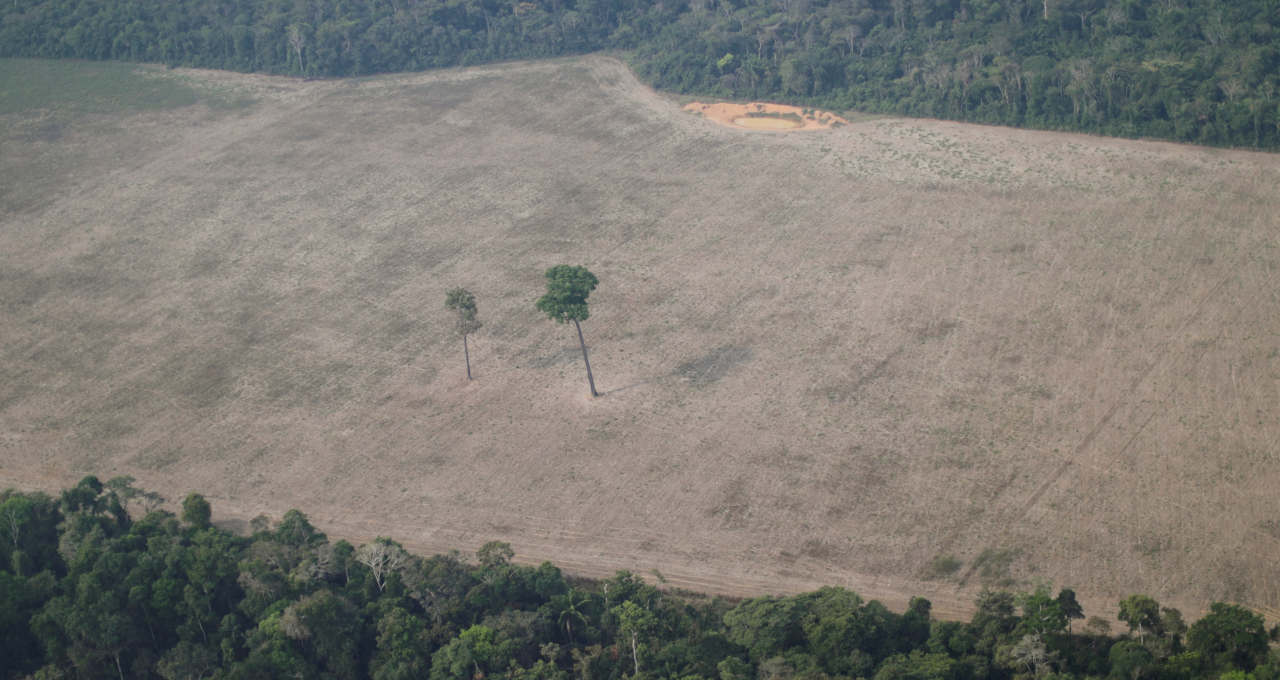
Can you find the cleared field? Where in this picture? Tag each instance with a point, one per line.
(826, 358)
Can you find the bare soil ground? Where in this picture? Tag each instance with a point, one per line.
(766, 116)
(826, 358)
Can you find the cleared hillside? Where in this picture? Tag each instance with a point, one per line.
(826, 357)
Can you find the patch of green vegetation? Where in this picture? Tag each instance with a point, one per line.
(942, 566)
(86, 87)
(993, 566)
(101, 87)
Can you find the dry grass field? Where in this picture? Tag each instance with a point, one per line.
(835, 357)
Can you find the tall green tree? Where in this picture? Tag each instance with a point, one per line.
(403, 647)
(196, 511)
(1142, 614)
(463, 303)
(476, 651)
(635, 622)
(29, 533)
(566, 300)
(1070, 606)
(570, 607)
(1229, 637)
(1041, 614)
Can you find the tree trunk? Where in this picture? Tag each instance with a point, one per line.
(590, 380)
(635, 656)
(146, 616)
(467, 354)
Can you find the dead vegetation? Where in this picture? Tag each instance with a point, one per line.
(898, 348)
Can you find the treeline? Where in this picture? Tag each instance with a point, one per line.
(321, 37)
(1190, 70)
(89, 590)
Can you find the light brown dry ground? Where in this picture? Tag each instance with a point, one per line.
(766, 116)
(826, 358)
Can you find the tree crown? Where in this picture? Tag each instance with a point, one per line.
(567, 291)
(463, 302)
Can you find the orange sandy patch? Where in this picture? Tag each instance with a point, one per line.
(765, 116)
(766, 123)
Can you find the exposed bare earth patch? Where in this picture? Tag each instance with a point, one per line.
(909, 357)
(766, 116)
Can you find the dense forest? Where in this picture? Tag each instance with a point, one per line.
(1190, 70)
(98, 583)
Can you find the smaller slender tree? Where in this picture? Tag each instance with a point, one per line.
(461, 300)
(635, 622)
(1070, 606)
(566, 300)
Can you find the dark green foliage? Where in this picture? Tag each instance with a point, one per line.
(567, 291)
(635, 625)
(918, 665)
(1228, 637)
(495, 555)
(994, 619)
(29, 533)
(196, 511)
(159, 598)
(1069, 607)
(570, 609)
(1041, 614)
(764, 626)
(476, 652)
(20, 598)
(295, 530)
(1142, 614)
(1130, 660)
(131, 596)
(463, 303)
(566, 300)
(848, 636)
(404, 648)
